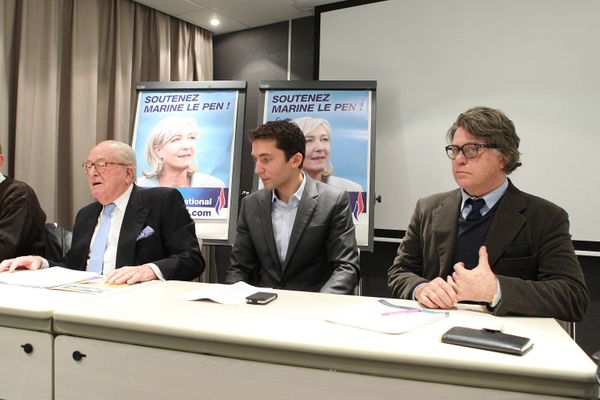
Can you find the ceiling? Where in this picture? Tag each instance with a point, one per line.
(236, 15)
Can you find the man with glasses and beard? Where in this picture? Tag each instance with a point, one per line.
(488, 242)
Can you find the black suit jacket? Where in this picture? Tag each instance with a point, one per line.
(322, 253)
(173, 246)
(529, 249)
(21, 221)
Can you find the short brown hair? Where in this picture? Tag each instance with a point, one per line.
(287, 135)
(494, 127)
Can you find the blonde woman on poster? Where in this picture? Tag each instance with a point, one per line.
(171, 154)
(317, 132)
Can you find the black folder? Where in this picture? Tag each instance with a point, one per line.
(488, 339)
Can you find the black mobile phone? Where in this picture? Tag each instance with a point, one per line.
(261, 298)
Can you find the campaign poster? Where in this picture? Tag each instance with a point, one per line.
(337, 127)
(185, 139)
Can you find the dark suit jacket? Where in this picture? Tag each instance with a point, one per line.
(21, 221)
(173, 246)
(322, 253)
(529, 248)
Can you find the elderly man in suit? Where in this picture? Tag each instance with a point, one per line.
(129, 234)
(296, 233)
(487, 241)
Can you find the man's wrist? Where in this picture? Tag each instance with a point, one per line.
(497, 295)
(156, 270)
(414, 292)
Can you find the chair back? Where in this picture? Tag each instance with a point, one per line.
(58, 241)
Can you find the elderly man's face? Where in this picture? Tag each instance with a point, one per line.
(107, 185)
(481, 174)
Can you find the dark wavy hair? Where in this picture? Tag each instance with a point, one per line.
(287, 135)
(494, 127)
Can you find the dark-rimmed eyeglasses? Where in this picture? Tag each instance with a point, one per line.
(100, 165)
(470, 150)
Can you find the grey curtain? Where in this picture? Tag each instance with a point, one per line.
(68, 71)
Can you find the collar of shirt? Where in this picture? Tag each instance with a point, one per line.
(295, 198)
(490, 199)
(2, 177)
(122, 200)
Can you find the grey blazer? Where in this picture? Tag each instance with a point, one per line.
(322, 254)
(529, 248)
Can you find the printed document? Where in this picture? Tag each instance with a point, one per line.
(384, 316)
(46, 278)
(225, 294)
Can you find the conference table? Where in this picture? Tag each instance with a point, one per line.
(27, 337)
(27, 340)
(151, 344)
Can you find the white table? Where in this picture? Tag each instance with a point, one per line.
(27, 338)
(148, 344)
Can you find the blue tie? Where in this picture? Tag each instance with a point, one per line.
(476, 205)
(96, 262)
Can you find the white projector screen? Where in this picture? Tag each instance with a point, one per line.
(537, 60)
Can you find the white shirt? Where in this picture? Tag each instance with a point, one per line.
(283, 216)
(2, 177)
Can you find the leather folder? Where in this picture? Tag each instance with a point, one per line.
(488, 339)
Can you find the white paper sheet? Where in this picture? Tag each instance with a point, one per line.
(46, 278)
(225, 294)
(383, 316)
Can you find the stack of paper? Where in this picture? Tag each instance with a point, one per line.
(46, 278)
(383, 316)
(92, 286)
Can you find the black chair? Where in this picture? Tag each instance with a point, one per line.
(58, 241)
(596, 358)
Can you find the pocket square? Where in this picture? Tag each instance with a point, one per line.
(146, 232)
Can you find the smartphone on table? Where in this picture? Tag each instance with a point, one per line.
(261, 298)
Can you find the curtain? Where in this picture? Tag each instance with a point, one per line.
(68, 71)
(7, 12)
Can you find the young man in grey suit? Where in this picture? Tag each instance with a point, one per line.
(487, 241)
(140, 234)
(296, 233)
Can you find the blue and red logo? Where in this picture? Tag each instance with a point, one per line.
(220, 202)
(359, 206)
